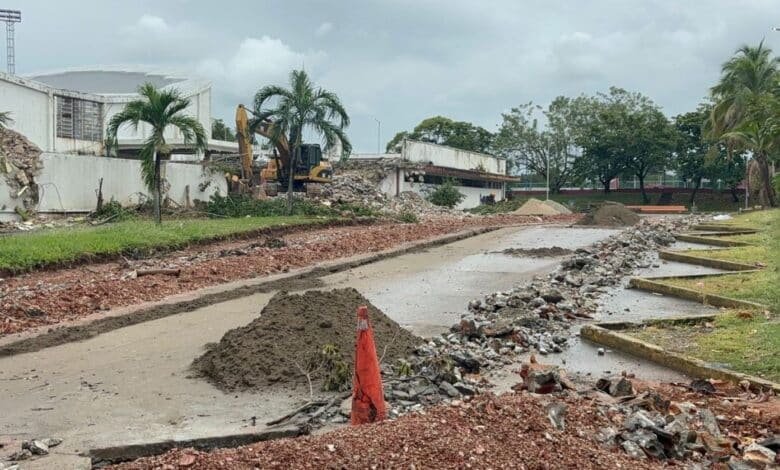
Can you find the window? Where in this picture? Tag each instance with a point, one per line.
(79, 119)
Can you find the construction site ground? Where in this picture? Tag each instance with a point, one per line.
(133, 385)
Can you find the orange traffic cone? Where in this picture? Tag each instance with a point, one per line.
(368, 400)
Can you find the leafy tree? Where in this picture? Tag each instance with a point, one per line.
(5, 119)
(297, 109)
(394, 146)
(446, 194)
(730, 169)
(623, 132)
(222, 132)
(159, 109)
(523, 143)
(692, 148)
(444, 131)
(745, 114)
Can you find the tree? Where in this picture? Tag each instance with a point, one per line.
(5, 119)
(746, 106)
(300, 108)
(601, 139)
(693, 148)
(222, 132)
(444, 131)
(521, 141)
(159, 109)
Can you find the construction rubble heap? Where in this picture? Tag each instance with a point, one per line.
(19, 164)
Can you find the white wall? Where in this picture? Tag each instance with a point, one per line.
(30, 110)
(69, 183)
(472, 199)
(440, 155)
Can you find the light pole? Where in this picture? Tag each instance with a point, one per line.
(547, 198)
(378, 135)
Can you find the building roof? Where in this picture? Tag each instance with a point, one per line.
(104, 82)
(469, 174)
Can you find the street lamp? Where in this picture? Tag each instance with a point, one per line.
(378, 135)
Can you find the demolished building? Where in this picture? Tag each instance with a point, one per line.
(422, 166)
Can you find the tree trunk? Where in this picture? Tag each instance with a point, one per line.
(767, 192)
(606, 186)
(696, 187)
(291, 173)
(734, 195)
(645, 199)
(157, 190)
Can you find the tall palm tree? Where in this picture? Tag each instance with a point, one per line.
(160, 109)
(300, 108)
(5, 119)
(749, 84)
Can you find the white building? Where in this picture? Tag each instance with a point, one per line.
(68, 112)
(421, 166)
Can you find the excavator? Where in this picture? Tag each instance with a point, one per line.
(309, 167)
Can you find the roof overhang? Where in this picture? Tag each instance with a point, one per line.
(469, 174)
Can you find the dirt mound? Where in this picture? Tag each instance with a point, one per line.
(534, 206)
(610, 214)
(560, 208)
(537, 252)
(19, 164)
(293, 328)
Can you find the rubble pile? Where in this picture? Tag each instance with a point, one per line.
(356, 188)
(610, 214)
(19, 164)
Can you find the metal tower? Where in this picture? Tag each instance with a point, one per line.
(10, 17)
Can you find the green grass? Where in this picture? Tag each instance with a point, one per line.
(748, 341)
(24, 252)
(748, 345)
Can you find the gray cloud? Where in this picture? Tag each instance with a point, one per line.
(403, 60)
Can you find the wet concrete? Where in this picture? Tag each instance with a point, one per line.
(132, 385)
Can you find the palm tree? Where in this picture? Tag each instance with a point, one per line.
(297, 109)
(5, 119)
(749, 84)
(159, 109)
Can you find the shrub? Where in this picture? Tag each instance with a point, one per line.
(408, 217)
(446, 195)
(241, 205)
(113, 211)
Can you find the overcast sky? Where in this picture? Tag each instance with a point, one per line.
(400, 61)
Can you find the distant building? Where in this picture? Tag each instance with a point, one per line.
(421, 166)
(68, 112)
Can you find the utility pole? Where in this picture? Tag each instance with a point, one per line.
(10, 17)
(378, 136)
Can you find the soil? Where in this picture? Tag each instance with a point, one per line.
(545, 252)
(290, 331)
(610, 214)
(534, 206)
(50, 297)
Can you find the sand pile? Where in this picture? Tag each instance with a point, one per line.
(294, 328)
(610, 214)
(558, 206)
(534, 206)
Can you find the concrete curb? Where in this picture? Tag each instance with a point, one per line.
(708, 240)
(700, 276)
(94, 325)
(608, 334)
(117, 454)
(652, 285)
(701, 261)
(731, 229)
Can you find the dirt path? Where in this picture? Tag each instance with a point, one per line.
(51, 297)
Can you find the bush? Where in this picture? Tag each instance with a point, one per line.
(446, 195)
(507, 205)
(113, 211)
(777, 184)
(243, 205)
(408, 217)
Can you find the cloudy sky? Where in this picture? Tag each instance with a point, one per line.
(400, 61)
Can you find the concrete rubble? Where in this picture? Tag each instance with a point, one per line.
(31, 449)
(19, 165)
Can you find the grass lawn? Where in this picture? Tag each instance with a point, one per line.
(743, 341)
(26, 251)
(749, 345)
